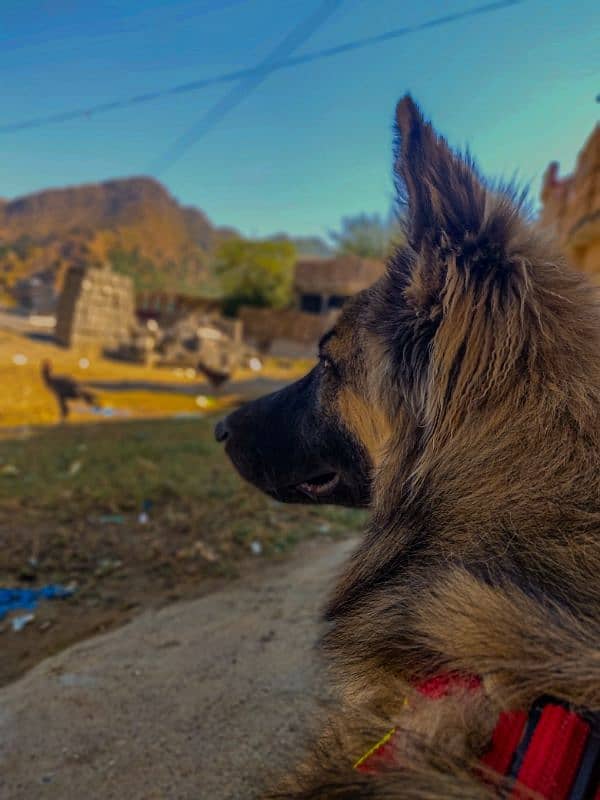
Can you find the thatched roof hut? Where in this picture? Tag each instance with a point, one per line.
(321, 286)
(342, 275)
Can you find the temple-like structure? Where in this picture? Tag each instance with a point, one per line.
(571, 206)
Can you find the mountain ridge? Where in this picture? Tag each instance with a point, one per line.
(134, 223)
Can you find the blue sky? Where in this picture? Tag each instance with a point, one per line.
(312, 143)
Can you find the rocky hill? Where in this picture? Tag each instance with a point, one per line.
(134, 223)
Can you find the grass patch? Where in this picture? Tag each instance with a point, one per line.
(71, 497)
(70, 500)
(65, 485)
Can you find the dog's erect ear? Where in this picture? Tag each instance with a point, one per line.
(446, 199)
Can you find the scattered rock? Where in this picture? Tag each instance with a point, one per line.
(9, 470)
(74, 468)
(106, 566)
(256, 548)
(198, 548)
(267, 637)
(205, 551)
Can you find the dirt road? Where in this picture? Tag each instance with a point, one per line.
(195, 701)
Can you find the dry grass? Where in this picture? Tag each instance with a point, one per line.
(71, 474)
(25, 399)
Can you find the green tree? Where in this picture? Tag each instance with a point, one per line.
(255, 273)
(367, 235)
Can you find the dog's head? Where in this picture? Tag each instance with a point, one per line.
(311, 440)
(450, 361)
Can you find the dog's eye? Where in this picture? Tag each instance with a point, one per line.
(329, 365)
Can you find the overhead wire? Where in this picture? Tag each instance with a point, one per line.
(299, 34)
(233, 76)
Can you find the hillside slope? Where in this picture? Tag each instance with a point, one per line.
(133, 222)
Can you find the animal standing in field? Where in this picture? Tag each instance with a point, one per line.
(64, 389)
(459, 397)
(215, 377)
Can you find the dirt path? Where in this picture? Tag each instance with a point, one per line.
(248, 389)
(195, 701)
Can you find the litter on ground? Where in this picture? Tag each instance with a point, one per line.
(111, 519)
(144, 515)
(19, 622)
(27, 599)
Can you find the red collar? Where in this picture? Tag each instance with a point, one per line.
(553, 749)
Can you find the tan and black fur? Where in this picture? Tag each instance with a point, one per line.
(467, 384)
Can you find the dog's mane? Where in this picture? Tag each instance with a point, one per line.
(494, 462)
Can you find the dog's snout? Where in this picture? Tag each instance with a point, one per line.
(221, 431)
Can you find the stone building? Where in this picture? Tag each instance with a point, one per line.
(96, 306)
(288, 333)
(571, 206)
(168, 307)
(322, 285)
(36, 294)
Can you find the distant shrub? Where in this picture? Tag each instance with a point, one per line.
(255, 273)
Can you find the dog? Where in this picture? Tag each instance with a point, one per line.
(65, 388)
(459, 399)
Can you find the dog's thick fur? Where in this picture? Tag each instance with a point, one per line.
(470, 378)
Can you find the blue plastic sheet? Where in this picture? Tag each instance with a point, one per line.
(27, 599)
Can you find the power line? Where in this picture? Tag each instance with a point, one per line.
(294, 39)
(237, 75)
(125, 25)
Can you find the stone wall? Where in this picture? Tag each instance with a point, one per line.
(571, 206)
(36, 294)
(96, 306)
(289, 333)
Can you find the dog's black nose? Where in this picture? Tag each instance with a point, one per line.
(221, 431)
